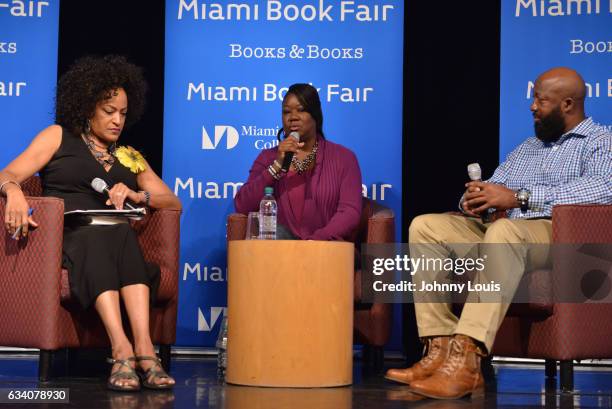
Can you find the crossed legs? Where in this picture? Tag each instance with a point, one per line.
(506, 244)
(136, 300)
(451, 367)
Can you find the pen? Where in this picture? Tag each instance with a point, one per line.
(16, 234)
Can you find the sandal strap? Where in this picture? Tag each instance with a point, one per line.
(121, 361)
(156, 373)
(118, 375)
(153, 371)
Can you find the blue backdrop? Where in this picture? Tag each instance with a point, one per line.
(28, 72)
(537, 36)
(226, 66)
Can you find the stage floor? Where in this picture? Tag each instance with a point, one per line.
(198, 386)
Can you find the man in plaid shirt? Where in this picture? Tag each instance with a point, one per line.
(569, 161)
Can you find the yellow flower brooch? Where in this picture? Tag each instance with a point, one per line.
(131, 159)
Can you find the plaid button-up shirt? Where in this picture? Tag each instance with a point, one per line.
(577, 169)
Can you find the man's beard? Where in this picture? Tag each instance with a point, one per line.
(551, 127)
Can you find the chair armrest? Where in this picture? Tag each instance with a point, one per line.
(582, 242)
(41, 252)
(582, 224)
(236, 226)
(373, 321)
(30, 274)
(381, 228)
(159, 239)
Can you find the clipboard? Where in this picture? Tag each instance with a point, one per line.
(104, 216)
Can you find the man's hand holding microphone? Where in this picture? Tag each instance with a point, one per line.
(479, 196)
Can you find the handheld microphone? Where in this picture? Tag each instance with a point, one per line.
(289, 155)
(101, 186)
(475, 174)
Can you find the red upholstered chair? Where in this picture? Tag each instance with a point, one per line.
(563, 331)
(372, 321)
(36, 307)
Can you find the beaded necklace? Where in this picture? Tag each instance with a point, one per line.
(104, 158)
(301, 166)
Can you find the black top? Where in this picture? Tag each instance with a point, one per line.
(69, 173)
(98, 258)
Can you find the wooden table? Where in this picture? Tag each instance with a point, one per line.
(290, 313)
(241, 397)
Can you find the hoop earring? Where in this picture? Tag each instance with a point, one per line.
(87, 129)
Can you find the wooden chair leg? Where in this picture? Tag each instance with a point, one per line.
(567, 376)
(164, 355)
(44, 364)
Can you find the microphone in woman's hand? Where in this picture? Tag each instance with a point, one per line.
(100, 186)
(289, 155)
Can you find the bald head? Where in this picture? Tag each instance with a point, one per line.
(558, 103)
(564, 83)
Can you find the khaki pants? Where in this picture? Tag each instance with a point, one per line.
(479, 320)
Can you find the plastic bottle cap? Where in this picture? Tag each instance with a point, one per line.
(268, 190)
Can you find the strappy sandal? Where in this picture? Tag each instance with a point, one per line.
(154, 372)
(120, 375)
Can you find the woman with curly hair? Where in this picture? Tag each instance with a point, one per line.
(104, 262)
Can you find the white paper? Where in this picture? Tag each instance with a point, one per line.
(136, 213)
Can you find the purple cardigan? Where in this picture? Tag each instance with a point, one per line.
(332, 204)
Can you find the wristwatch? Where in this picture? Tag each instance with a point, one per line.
(522, 197)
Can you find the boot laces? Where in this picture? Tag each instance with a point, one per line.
(457, 355)
(432, 350)
(455, 358)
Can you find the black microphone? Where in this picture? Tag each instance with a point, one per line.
(101, 186)
(289, 155)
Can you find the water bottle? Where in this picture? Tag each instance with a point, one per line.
(267, 215)
(221, 345)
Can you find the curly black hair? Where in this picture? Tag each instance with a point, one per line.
(92, 79)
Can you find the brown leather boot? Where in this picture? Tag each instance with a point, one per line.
(458, 376)
(435, 353)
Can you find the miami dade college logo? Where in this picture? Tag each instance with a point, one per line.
(231, 137)
(215, 313)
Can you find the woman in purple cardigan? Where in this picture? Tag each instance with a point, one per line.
(319, 197)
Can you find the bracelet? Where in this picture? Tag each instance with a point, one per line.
(147, 196)
(6, 183)
(277, 164)
(273, 172)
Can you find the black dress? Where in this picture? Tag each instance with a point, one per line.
(98, 258)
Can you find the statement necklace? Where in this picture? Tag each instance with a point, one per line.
(301, 166)
(104, 158)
